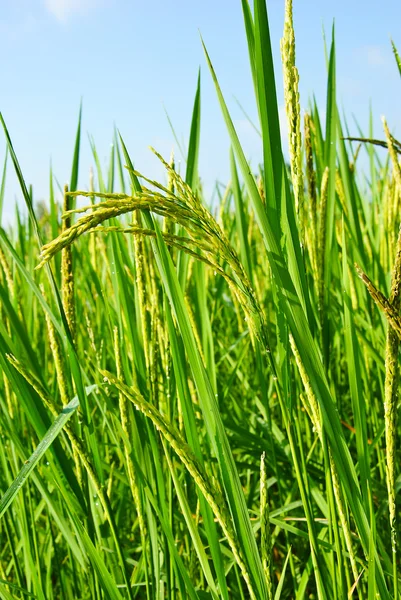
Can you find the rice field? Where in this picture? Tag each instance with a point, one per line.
(200, 400)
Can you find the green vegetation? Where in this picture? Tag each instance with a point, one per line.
(198, 406)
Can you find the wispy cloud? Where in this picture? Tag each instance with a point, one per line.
(374, 56)
(63, 9)
(14, 30)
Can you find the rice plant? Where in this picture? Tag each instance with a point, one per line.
(199, 399)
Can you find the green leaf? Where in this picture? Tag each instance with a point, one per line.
(191, 175)
(41, 449)
(279, 589)
(300, 330)
(75, 160)
(3, 185)
(396, 56)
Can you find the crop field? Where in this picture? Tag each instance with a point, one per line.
(199, 400)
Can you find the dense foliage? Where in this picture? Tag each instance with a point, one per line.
(199, 400)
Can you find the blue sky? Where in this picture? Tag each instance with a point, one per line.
(130, 60)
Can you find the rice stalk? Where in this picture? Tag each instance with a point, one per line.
(392, 376)
(210, 490)
(291, 98)
(125, 424)
(168, 224)
(313, 410)
(7, 272)
(79, 449)
(92, 245)
(67, 273)
(63, 381)
(324, 189)
(266, 542)
(391, 314)
(139, 253)
(154, 349)
(185, 208)
(10, 284)
(311, 181)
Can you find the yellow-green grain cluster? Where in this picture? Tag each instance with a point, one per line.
(291, 98)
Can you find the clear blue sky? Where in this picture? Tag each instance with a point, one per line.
(128, 59)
